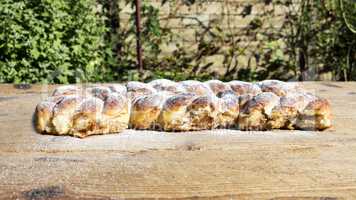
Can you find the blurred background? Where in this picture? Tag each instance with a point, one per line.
(71, 41)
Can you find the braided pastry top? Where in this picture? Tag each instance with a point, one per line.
(181, 106)
(83, 111)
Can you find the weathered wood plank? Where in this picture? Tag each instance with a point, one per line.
(218, 164)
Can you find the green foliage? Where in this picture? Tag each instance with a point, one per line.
(51, 41)
(67, 41)
(322, 40)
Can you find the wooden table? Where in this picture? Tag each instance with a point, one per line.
(218, 164)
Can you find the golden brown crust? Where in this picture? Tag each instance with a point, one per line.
(264, 101)
(115, 104)
(176, 102)
(167, 86)
(255, 114)
(319, 106)
(243, 99)
(279, 88)
(229, 109)
(44, 114)
(145, 111)
(203, 113)
(196, 87)
(100, 92)
(318, 122)
(63, 113)
(316, 115)
(244, 88)
(67, 90)
(188, 105)
(84, 120)
(218, 86)
(286, 114)
(283, 118)
(174, 115)
(185, 112)
(98, 110)
(136, 89)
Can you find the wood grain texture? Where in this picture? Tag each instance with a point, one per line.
(218, 164)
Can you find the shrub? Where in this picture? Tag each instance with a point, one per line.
(57, 41)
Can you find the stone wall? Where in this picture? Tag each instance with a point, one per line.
(232, 17)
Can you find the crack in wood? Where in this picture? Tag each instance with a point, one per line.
(44, 193)
(54, 159)
(23, 86)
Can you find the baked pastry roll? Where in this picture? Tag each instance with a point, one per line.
(202, 113)
(44, 114)
(218, 86)
(245, 91)
(279, 88)
(100, 92)
(257, 111)
(229, 109)
(98, 110)
(286, 113)
(184, 106)
(145, 111)
(243, 99)
(167, 86)
(187, 111)
(63, 112)
(316, 115)
(118, 88)
(136, 89)
(115, 114)
(196, 87)
(244, 88)
(67, 90)
(174, 115)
